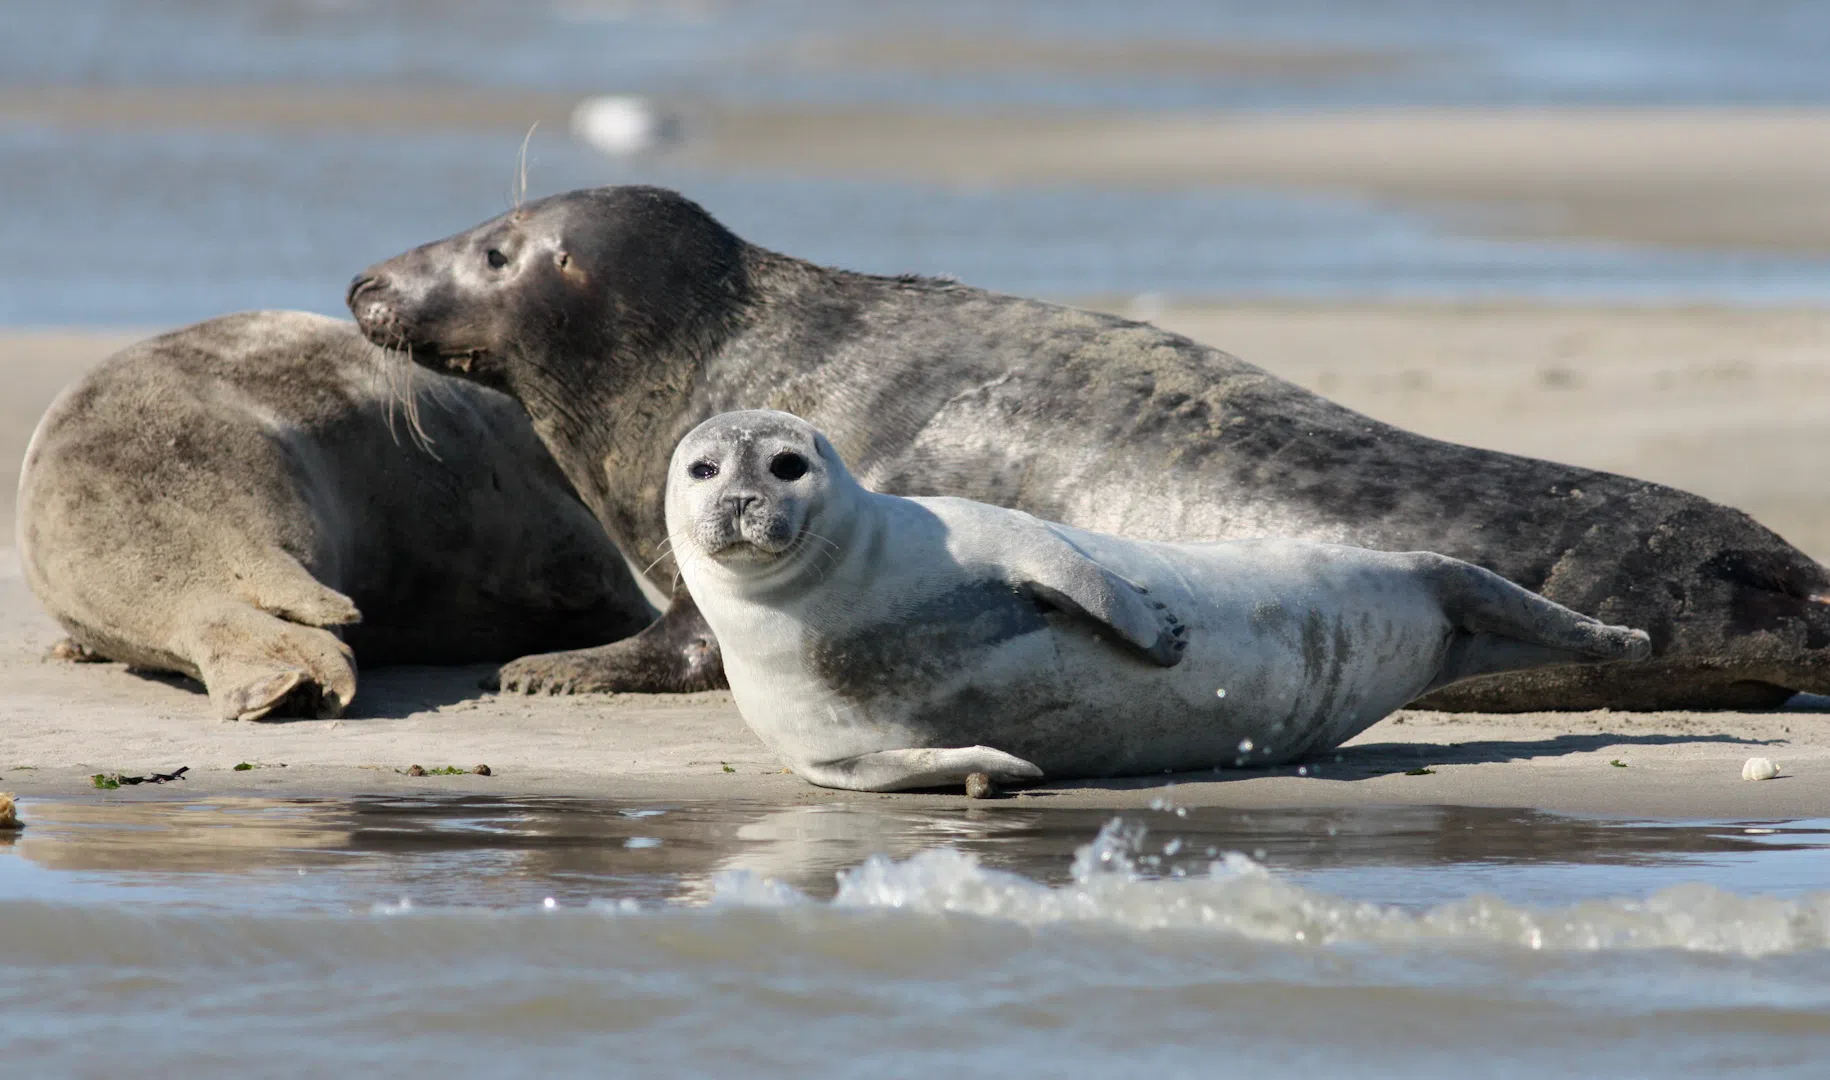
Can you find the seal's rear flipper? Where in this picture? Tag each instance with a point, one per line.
(901, 770)
(1475, 654)
(1503, 627)
(255, 700)
(279, 585)
(257, 666)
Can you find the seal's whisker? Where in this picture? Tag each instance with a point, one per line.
(520, 192)
(410, 394)
(825, 558)
(824, 540)
(402, 391)
(658, 559)
(391, 392)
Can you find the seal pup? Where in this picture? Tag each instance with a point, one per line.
(879, 643)
(622, 317)
(240, 501)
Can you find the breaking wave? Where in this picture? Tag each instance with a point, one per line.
(1238, 896)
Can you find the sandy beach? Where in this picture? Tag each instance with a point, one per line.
(1728, 403)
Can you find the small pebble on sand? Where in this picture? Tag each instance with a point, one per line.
(416, 770)
(1759, 768)
(978, 786)
(481, 770)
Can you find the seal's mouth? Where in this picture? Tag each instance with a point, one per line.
(746, 552)
(462, 361)
(382, 323)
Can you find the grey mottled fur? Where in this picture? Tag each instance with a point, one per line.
(241, 501)
(622, 317)
(880, 643)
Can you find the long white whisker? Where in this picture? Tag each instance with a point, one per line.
(521, 167)
(668, 548)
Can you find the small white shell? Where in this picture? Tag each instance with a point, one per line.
(1759, 768)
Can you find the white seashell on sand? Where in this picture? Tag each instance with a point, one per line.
(1759, 768)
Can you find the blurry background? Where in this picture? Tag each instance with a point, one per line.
(1596, 232)
(166, 160)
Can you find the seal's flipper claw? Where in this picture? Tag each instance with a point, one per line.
(1051, 568)
(1091, 592)
(255, 700)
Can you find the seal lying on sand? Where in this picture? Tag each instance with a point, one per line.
(880, 643)
(229, 501)
(622, 317)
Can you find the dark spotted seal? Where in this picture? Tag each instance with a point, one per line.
(622, 317)
(242, 501)
(880, 643)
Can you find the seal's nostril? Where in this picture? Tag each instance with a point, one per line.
(362, 284)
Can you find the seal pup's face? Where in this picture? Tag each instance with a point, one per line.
(574, 279)
(746, 490)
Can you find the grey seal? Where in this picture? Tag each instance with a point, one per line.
(622, 317)
(879, 643)
(241, 501)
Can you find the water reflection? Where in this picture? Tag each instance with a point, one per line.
(479, 851)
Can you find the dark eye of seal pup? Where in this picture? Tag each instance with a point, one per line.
(882, 643)
(622, 317)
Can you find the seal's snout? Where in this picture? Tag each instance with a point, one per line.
(368, 302)
(363, 284)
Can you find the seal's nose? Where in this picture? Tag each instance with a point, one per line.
(364, 283)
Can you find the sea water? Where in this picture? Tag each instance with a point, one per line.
(471, 936)
(143, 226)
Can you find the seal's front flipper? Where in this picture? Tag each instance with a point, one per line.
(901, 770)
(677, 654)
(1059, 574)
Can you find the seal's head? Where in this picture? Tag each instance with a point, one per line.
(749, 492)
(615, 275)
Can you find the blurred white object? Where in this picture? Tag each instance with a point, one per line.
(1759, 768)
(622, 124)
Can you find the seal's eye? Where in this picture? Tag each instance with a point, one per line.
(788, 467)
(497, 260)
(702, 470)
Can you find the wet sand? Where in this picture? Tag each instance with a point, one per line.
(1728, 403)
(1735, 179)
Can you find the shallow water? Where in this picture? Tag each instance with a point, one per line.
(168, 225)
(198, 224)
(238, 936)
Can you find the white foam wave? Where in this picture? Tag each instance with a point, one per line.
(1238, 896)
